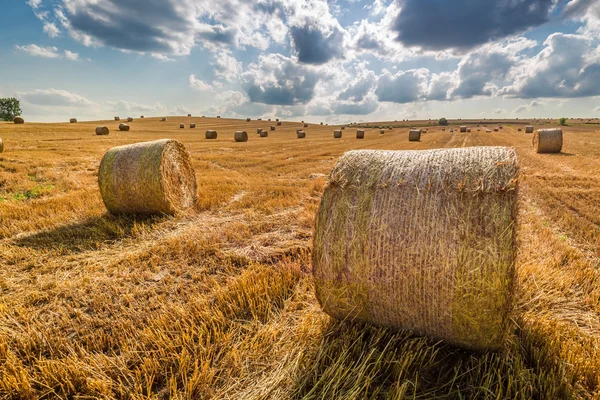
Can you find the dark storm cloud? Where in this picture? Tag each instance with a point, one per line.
(314, 47)
(478, 70)
(464, 24)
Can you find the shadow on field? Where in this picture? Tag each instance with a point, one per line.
(89, 234)
(561, 154)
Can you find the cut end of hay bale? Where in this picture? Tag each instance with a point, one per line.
(147, 178)
(210, 134)
(446, 273)
(360, 134)
(102, 130)
(547, 140)
(124, 127)
(18, 120)
(241, 136)
(73, 120)
(415, 135)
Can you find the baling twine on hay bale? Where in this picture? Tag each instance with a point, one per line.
(337, 134)
(210, 134)
(421, 240)
(529, 129)
(73, 120)
(102, 130)
(240, 136)
(360, 134)
(124, 127)
(147, 178)
(414, 135)
(547, 140)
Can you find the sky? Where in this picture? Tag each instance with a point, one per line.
(332, 61)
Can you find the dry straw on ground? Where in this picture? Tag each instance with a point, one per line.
(124, 127)
(301, 134)
(528, 129)
(102, 130)
(337, 134)
(73, 120)
(18, 120)
(147, 178)
(414, 135)
(547, 140)
(360, 134)
(210, 134)
(421, 240)
(241, 136)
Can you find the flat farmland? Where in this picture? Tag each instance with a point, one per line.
(218, 302)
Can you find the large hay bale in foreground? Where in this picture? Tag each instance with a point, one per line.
(124, 127)
(102, 130)
(301, 134)
(129, 119)
(210, 134)
(420, 240)
(147, 178)
(360, 134)
(529, 129)
(264, 134)
(1, 146)
(414, 135)
(337, 134)
(547, 140)
(73, 120)
(18, 120)
(463, 128)
(240, 136)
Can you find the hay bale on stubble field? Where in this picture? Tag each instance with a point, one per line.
(519, 130)
(163, 119)
(124, 127)
(18, 120)
(210, 134)
(192, 126)
(181, 126)
(463, 128)
(248, 119)
(414, 135)
(337, 134)
(382, 131)
(360, 134)
(264, 134)
(102, 130)
(259, 130)
(1, 146)
(468, 129)
(73, 120)
(495, 129)
(547, 140)
(448, 272)
(117, 118)
(240, 136)
(141, 116)
(305, 125)
(147, 178)
(272, 128)
(301, 134)
(189, 115)
(278, 123)
(129, 119)
(529, 129)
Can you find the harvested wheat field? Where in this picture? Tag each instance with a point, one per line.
(218, 301)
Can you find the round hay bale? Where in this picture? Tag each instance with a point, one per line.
(360, 134)
(468, 129)
(443, 129)
(278, 123)
(147, 178)
(495, 129)
(451, 130)
(18, 120)
(272, 128)
(337, 134)
(305, 125)
(163, 119)
(73, 120)
(301, 134)
(478, 129)
(321, 123)
(248, 119)
(141, 116)
(218, 116)
(276, 119)
(181, 126)
(519, 130)
(1, 146)
(488, 131)
(101, 130)
(414, 135)
(269, 120)
(422, 241)
(241, 136)
(382, 131)
(124, 127)
(343, 127)
(189, 115)
(547, 140)
(129, 119)
(529, 129)
(258, 130)
(264, 134)
(210, 134)
(117, 118)
(463, 128)
(192, 126)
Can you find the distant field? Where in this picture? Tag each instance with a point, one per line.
(219, 303)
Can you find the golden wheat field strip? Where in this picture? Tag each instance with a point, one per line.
(219, 303)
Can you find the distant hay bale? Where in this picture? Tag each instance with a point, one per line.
(218, 116)
(519, 130)
(272, 128)
(463, 128)
(101, 130)
(124, 127)
(301, 134)
(147, 178)
(1, 146)
(181, 126)
(382, 131)
(259, 119)
(451, 130)
(488, 131)
(18, 120)
(443, 129)
(264, 134)
(141, 116)
(189, 115)
(337, 134)
(495, 129)
(278, 123)
(276, 119)
(447, 272)
(163, 119)
(360, 134)
(117, 118)
(529, 129)
(129, 119)
(210, 134)
(269, 120)
(343, 127)
(414, 135)
(321, 123)
(241, 136)
(478, 129)
(258, 130)
(468, 129)
(73, 120)
(192, 126)
(547, 140)
(305, 125)
(248, 120)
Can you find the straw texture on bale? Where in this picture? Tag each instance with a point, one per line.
(382, 131)
(240, 136)
(305, 125)
(181, 126)
(210, 134)
(360, 134)
(529, 129)
(147, 178)
(414, 135)
(101, 130)
(192, 126)
(163, 119)
(117, 118)
(18, 120)
(301, 134)
(129, 119)
(547, 140)
(420, 240)
(463, 128)
(124, 127)
(272, 128)
(337, 134)
(264, 134)
(73, 120)
(1, 146)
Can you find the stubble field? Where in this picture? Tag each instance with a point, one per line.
(219, 303)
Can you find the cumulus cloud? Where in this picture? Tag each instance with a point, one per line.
(499, 111)
(54, 97)
(127, 106)
(198, 84)
(402, 87)
(39, 51)
(69, 55)
(51, 29)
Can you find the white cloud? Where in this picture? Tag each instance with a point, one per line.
(126, 106)
(51, 30)
(39, 51)
(69, 55)
(34, 3)
(499, 111)
(55, 97)
(198, 84)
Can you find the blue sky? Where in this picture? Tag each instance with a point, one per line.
(332, 61)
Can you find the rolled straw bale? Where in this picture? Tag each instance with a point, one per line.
(1, 146)
(305, 125)
(343, 127)
(218, 116)
(422, 241)
(117, 118)
(301, 134)
(360, 134)
(382, 131)
(337, 134)
(414, 135)
(495, 129)
(468, 129)
(192, 126)
(272, 128)
(264, 134)
(101, 130)
(241, 136)
(547, 140)
(519, 130)
(258, 130)
(488, 131)
(189, 115)
(18, 120)
(278, 123)
(451, 130)
(321, 123)
(248, 119)
(276, 119)
(181, 126)
(124, 127)
(463, 128)
(73, 120)
(529, 129)
(269, 119)
(147, 178)
(129, 119)
(163, 119)
(259, 119)
(141, 116)
(478, 129)
(210, 134)
(443, 129)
